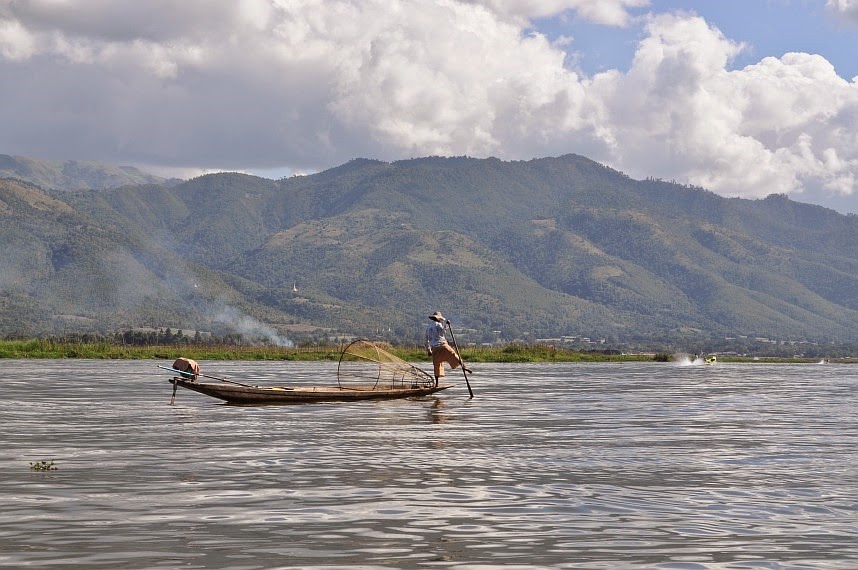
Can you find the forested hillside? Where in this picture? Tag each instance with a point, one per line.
(536, 249)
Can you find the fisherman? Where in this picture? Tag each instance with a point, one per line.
(437, 347)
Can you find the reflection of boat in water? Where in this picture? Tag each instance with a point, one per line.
(365, 372)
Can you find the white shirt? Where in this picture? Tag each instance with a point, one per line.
(435, 334)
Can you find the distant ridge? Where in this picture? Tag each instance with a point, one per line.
(73, 174)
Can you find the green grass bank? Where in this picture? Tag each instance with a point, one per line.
(44, 348)
(47, 348)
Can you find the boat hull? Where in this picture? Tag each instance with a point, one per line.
(236, 394)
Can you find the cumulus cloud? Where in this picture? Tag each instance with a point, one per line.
(308, 84)
(778, 126)
(608, 12)
(848, 9)
(16, 43)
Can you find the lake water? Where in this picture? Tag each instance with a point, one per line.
(596, 466)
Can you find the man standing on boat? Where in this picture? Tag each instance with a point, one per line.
(437, 347)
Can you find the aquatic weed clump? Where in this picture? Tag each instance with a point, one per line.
(43, 466)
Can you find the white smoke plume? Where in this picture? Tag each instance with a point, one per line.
(248, 327)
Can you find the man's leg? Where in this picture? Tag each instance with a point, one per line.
(437, 365)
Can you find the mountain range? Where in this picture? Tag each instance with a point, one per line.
(521, 250)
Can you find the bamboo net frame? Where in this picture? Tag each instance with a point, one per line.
(365, 364)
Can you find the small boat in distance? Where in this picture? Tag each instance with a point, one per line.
(365, 372)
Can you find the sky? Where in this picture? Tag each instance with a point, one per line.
(745, 98)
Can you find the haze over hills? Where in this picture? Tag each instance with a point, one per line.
(73, 174)
(535, 249)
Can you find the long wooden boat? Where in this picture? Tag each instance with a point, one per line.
(365, 372)
(242, 394)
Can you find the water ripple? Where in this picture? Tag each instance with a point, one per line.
(563, 466)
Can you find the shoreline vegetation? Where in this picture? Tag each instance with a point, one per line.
(52, 349)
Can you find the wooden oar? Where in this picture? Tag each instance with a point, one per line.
(185, 372)
(461, 362)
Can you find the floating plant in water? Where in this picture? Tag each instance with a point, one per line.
(43, 466)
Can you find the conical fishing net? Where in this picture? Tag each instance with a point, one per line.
(365, 364)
